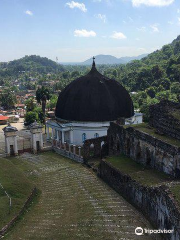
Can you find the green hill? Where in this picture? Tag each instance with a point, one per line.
(160, 68)
(33, 63)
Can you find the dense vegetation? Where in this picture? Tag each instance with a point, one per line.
(30, 64)
(149, 80)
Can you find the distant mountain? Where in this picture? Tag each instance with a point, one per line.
(108, 59)
(31, 63)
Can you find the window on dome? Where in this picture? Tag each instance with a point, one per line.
(96, 135)
(83, 137)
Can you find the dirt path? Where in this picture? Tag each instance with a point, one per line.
(74, 204)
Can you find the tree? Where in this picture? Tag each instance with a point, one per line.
(30, 105)
(42, 95)
(151, 91)
(7, 99)
(31, 117)
(175, 87)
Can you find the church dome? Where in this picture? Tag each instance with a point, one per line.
(94, 98)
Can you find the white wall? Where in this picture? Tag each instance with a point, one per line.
(90, 132)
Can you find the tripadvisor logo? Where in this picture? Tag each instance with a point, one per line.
(139, 231)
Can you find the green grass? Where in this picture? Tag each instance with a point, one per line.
(176, 114)
(143, 175)
(17, 186)
(151, 131)
(176, 192)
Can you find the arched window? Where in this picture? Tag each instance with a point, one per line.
(83, 137)
(96, 135)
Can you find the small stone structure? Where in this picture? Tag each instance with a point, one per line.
(15, 143)
(10, 134)
(144, 148)
(36, 137)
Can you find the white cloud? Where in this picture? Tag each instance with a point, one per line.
(142, 29)
(84, 33)
(118, 35)
(178, 11)
(28, 12)
(170, 22)
(178, 20)
(73, 4)
(155, 28)
(152, 3)
(142, 49)
(130, 19)
(102, 17)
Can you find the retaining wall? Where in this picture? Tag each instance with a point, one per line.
(156, 203)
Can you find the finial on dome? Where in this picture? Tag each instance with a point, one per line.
(94, 64)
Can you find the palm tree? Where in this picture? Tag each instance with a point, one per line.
(42, 95)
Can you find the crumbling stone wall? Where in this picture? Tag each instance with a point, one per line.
(95, 148)
(156, 203)
(144, 148)
(165, 117)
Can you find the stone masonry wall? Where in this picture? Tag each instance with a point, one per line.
(144, 148)
(165, 117)
(95, 148)
(156, 203)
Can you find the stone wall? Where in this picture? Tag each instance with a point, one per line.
(24, 145)
(165, 117)
(156, 203)
(144, 148)
(95, 148)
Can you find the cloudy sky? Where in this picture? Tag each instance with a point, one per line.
(77, 30)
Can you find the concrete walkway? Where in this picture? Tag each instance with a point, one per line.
(74, 204)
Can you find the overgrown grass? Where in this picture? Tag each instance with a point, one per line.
(16, 185)
(176, 191)
(176, 114)
(143, 175)
(151, 131)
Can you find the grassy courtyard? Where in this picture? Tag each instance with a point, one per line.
(18, 187)
(74, 203)
(141, 174)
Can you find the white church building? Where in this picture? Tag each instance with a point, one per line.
(86, 107)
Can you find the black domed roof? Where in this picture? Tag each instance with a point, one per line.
(94, 98)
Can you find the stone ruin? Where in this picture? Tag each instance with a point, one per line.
(147, 149)
(165, 117)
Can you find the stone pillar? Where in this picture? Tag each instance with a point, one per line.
(74, 149)
(79, 151)
(47, 133)
(62, 137)
(71, 136)
(36, 137)
(7, 147)
(10, 134)
(34, 143)
(41, 142)
(64, 145)
(69, 147)
(52, 134)
(57, 135)
(15, 146)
